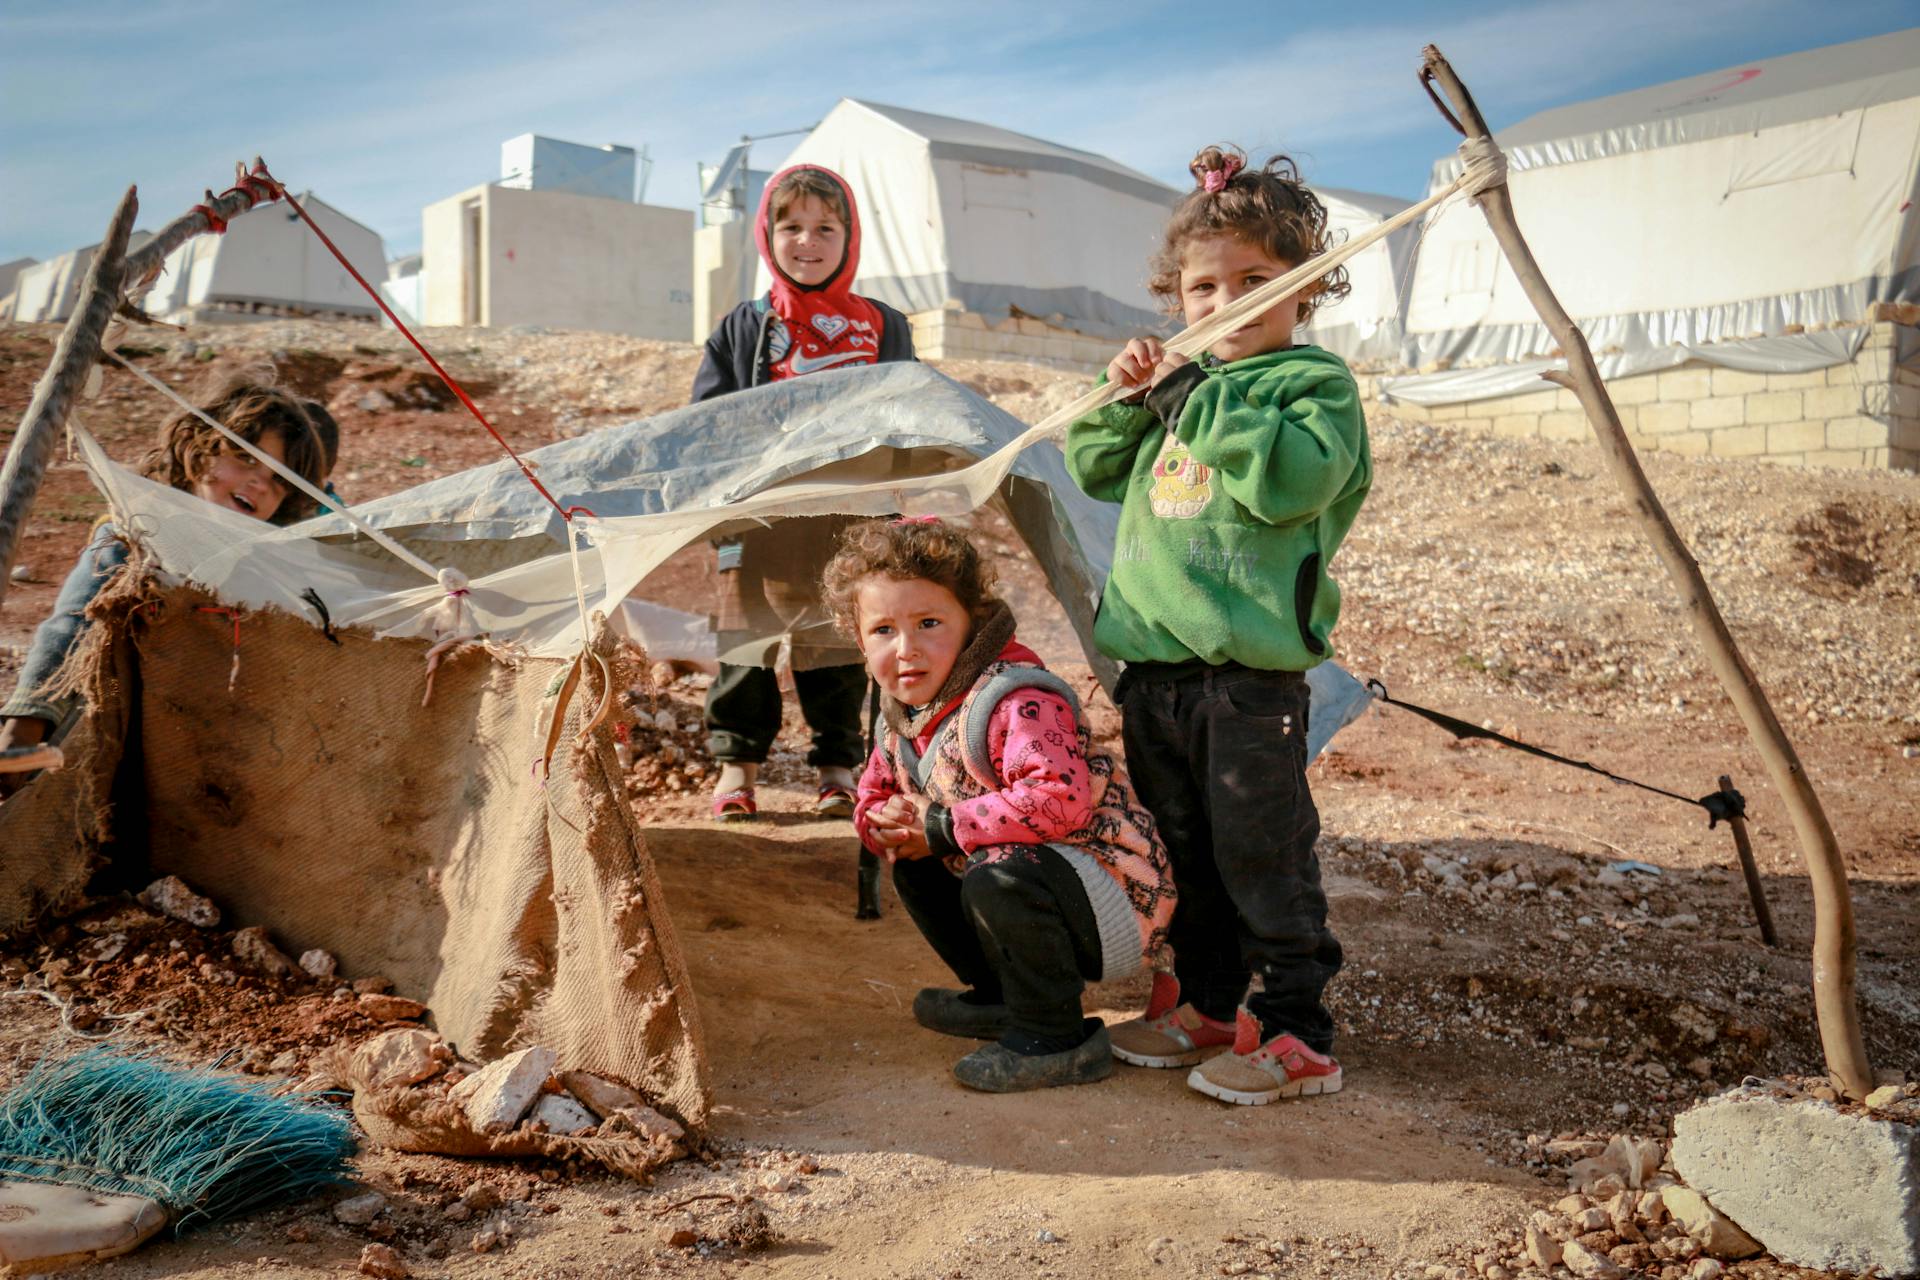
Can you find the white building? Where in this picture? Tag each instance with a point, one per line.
(499, 255)
(269, 263)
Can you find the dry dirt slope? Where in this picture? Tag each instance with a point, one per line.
(1496, 579)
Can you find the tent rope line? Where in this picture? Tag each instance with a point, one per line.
(1722, 804)
(453, 385)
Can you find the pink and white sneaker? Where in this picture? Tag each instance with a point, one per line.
(1170, 1033)
(1255, 1074)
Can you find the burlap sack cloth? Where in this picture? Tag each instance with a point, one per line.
(318, 798)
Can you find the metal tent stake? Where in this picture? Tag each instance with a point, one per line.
(1737, 823)
(1836, 1007)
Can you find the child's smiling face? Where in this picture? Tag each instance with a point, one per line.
(1216, 270)
(241, 482)
(809, 241)
(911, 633)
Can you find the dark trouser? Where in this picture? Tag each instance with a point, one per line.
(1219, 755)
(743, 713)
(1020, 929)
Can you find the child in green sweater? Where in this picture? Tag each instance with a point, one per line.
(1238, 475)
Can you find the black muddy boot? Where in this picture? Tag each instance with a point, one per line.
(995, 1068)
(951, 1013)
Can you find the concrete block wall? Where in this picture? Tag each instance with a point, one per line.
(1862, 414)
(967, 335)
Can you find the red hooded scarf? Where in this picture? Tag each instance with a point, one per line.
(822, 326)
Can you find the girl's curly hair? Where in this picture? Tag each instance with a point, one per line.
(250, 408)
(1269, 208)
(924, 547)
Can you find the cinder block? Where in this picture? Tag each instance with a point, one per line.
(1796, 381)
(1564, 398)
(1904, 401)
(1856, 432)
(1518, 426)
(1629, 415)
(1739, 442)
(1528, 402)
(1737, 382)
(1903, 459)
(1774, 406)
(1474, 424)
(1408, 411)
(1839, 457)
(1565, 426)
(1448, 412)
(1033, 328)
(1818, 1188)
(1830, 402)
(1718, 411)
(1796, 437)
(1692, 443)
(1659, 419)
(1641, 389)
(970, 320)
(1784, 459)
(1846, 375)
(1687, 383)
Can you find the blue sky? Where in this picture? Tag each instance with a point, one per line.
(383, 108)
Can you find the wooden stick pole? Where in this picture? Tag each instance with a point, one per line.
(1737, 823)
(74, 359)
(1836, 1005)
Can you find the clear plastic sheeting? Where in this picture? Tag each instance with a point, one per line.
(1793, 353)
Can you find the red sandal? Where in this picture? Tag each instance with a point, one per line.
(835, 801)
(735, 806)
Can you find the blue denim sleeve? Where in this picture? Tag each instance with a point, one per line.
(55, 638)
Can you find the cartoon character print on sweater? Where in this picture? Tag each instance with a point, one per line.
(1114, 827)
(1182, 488)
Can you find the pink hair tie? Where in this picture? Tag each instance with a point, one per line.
(917, 520)
(1215, 180)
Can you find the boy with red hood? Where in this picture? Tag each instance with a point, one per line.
(808, 231)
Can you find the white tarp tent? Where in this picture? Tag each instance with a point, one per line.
(954, 211)
(47, 292)
(1366, 324)
(266, 262)
(1719, 208)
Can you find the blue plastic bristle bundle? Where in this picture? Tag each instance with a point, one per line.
(207, 1145)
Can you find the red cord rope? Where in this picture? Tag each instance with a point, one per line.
(261, 175)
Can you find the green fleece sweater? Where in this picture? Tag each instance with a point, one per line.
(1228, 522)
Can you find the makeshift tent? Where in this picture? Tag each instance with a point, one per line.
(267, 263)
(1752, 201)
(10, 272)
(1366, 324)
(46, 292)
(958, 212)
(518, 901)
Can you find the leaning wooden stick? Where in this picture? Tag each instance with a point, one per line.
(74, 359)
(1835, 1004)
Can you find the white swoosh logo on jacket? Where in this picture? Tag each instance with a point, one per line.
(801, 365)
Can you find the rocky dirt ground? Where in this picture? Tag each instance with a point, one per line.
(1511, 998)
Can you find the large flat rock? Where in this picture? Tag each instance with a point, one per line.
(1817, 1186)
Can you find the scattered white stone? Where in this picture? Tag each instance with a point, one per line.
(496, 1096)
(1883, 1097)
(561, 1114)
(1714, 1231)
(605, 1098)
(395, 1059)
(318, 963)
(21, 573)
(1706, 1269)
(1044, 1236)
(252, 947)
(1588, 1265)
(170, 896)
(360, 1210)
(1542, 1249)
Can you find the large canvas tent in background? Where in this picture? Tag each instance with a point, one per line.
(1758, 200)
(953, 211)
(267, 263)
(1366, 324)
(46, 292)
